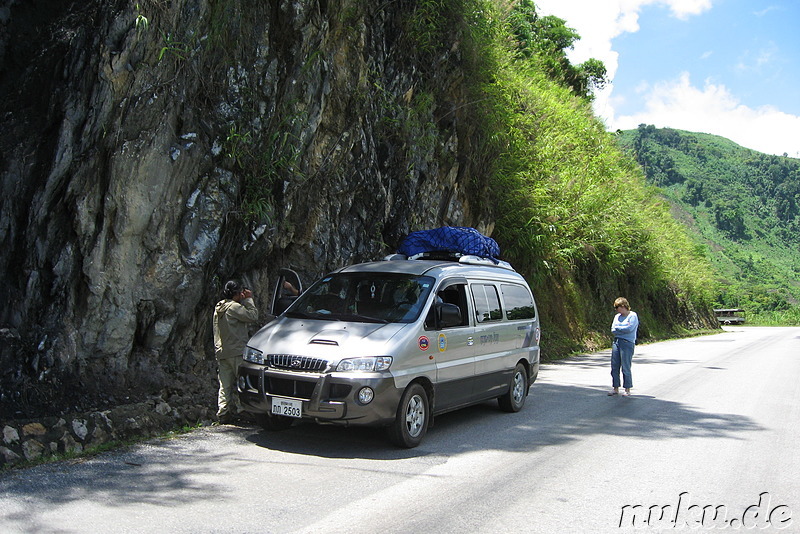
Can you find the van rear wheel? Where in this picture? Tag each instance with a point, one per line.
(514, 400)
(411, 422)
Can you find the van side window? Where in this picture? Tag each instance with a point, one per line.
(454, 294)
(518, 301)
(487, 303)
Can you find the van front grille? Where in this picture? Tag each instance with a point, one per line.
(291, 362)
(284, 387)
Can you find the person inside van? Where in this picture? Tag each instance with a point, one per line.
(455, 295)
(406, 303)
(331, 300)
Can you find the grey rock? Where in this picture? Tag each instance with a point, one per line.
(80, 429)
(9, 456)
(10, 434)
(300, 143)
(69, 445)
(32, 449)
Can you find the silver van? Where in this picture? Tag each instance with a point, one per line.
(393, 343)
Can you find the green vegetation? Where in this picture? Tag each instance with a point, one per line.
(544, 40)
(141, 23)
(741, 206)
(262, 162)
(790, 317)
(178, 49)
(575, 214)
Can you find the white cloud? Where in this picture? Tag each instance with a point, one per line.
(683, 9)
(754, 61)
(598, 22)
(676, 104)
(713, 109)
(765, 11)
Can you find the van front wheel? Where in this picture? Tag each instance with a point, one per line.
(514, 400)
(411, 422)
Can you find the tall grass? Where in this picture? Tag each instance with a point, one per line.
(575, 214)
(790, 317)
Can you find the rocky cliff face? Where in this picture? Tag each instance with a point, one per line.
(149, 151)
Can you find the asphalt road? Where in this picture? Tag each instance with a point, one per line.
(712, 427)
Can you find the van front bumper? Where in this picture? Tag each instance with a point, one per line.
(326, 397)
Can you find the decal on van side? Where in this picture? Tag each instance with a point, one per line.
(490, 338)
(423, 342)
(442, 342)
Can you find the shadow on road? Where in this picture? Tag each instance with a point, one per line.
(158, 473)
(162, 472)
(329, 441)
(599, 360)
(554, 414)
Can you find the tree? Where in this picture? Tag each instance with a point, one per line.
(694, 192)
(553, 36)
(548, 38)
(728, 218)
(595, 72)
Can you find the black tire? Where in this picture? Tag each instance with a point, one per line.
(514, 400)
(413, 415)
(267, 421)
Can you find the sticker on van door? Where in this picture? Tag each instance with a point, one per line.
(442, 342)
(423, 343)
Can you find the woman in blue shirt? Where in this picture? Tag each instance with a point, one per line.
(624, 330)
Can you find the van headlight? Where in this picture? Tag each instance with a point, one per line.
(375, 363)
(253, 355)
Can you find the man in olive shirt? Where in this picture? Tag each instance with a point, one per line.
(231, 317)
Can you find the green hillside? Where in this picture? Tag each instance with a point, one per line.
(574, 212)
(741, 206)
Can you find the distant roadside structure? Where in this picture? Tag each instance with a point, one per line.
(730, 315)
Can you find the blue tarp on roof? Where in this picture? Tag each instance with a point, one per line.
(457, 239)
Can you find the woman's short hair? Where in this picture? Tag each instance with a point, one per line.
(232, 287)
(622, 301)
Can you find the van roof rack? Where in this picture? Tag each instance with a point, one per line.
(445, 255)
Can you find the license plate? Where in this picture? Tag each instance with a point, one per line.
(287, 407)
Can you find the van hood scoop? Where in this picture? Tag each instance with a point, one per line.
(330, 337)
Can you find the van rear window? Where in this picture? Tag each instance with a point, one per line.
(518, 301)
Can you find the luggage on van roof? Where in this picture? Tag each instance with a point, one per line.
(450, 240)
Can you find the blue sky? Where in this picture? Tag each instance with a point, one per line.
(726, 67)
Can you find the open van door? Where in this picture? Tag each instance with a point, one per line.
(287, 287)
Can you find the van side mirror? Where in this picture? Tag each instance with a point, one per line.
(447, 315)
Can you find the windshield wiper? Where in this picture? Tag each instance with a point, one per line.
(361, 318)
(300, 315)
(335, 317)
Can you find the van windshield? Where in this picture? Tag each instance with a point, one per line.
(364, 297)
